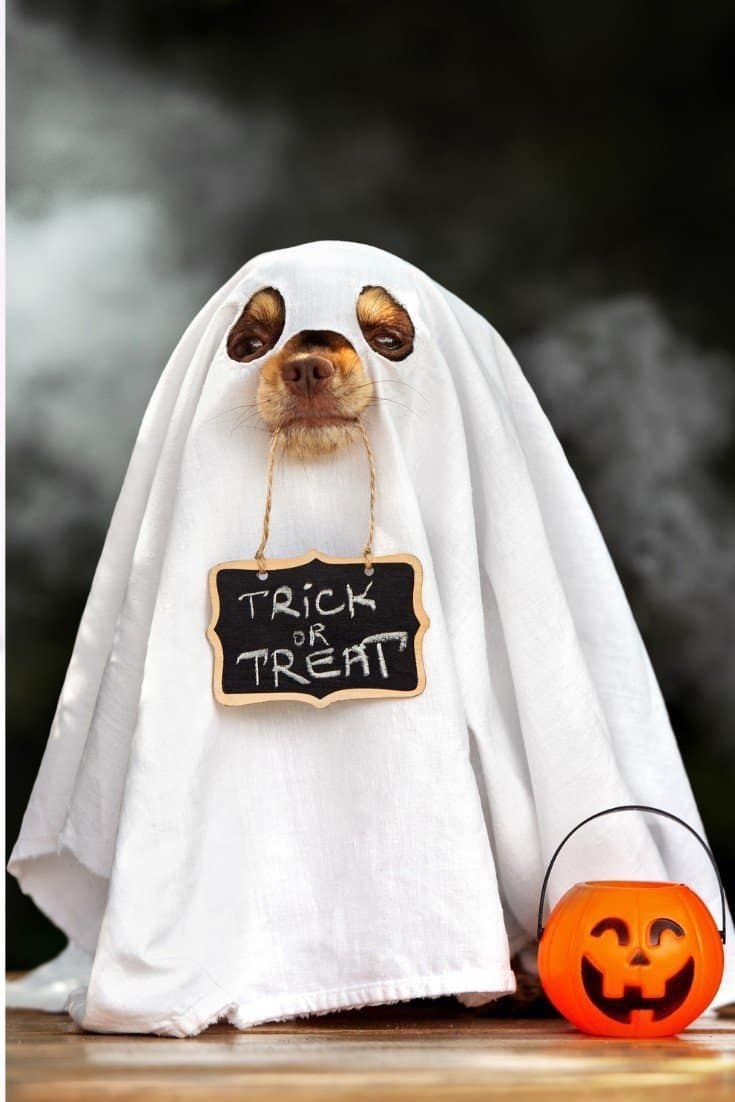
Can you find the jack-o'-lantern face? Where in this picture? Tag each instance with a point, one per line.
(652, 971)
(626, 958)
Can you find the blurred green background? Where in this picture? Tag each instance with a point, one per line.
(569, 169)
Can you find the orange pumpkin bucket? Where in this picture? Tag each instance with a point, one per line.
(629, 958)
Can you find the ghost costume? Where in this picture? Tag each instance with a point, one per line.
(276, 860)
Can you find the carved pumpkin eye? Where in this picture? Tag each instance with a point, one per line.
(659, 926)
(617, 924)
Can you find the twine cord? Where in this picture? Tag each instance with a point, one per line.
(260, 553)
(367, 550)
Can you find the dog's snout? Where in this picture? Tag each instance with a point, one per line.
(314, 388)
(307, 375)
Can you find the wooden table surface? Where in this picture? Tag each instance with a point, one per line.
(427, 1050)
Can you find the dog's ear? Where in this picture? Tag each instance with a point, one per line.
(385, 324)
(259, 326)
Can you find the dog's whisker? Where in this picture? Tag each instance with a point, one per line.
(392, 401)
(257, 428)
(375, 397)
(223, 413)
(391, 382)
(247, 419)
(240, 425)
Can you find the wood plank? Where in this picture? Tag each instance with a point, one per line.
(432, 1050)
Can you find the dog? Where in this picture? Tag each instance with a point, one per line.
(315, 388)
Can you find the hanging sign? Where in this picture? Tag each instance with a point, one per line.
(317, 628)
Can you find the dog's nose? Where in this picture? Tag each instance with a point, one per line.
(307, 375)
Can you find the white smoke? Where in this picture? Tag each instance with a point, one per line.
(107, 265)
(645, 414)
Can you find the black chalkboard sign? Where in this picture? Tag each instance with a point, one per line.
(317, 629)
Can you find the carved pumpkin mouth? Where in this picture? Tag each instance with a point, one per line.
(620, 1008)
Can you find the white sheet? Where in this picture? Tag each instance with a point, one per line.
(276, 860)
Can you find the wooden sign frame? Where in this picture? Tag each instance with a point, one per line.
(273, 565)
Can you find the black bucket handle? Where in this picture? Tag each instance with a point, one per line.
(630, 807)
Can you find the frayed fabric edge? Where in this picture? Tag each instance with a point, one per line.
(312, 1004)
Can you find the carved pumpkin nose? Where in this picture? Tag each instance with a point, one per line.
(307, 375)
(639, 957)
